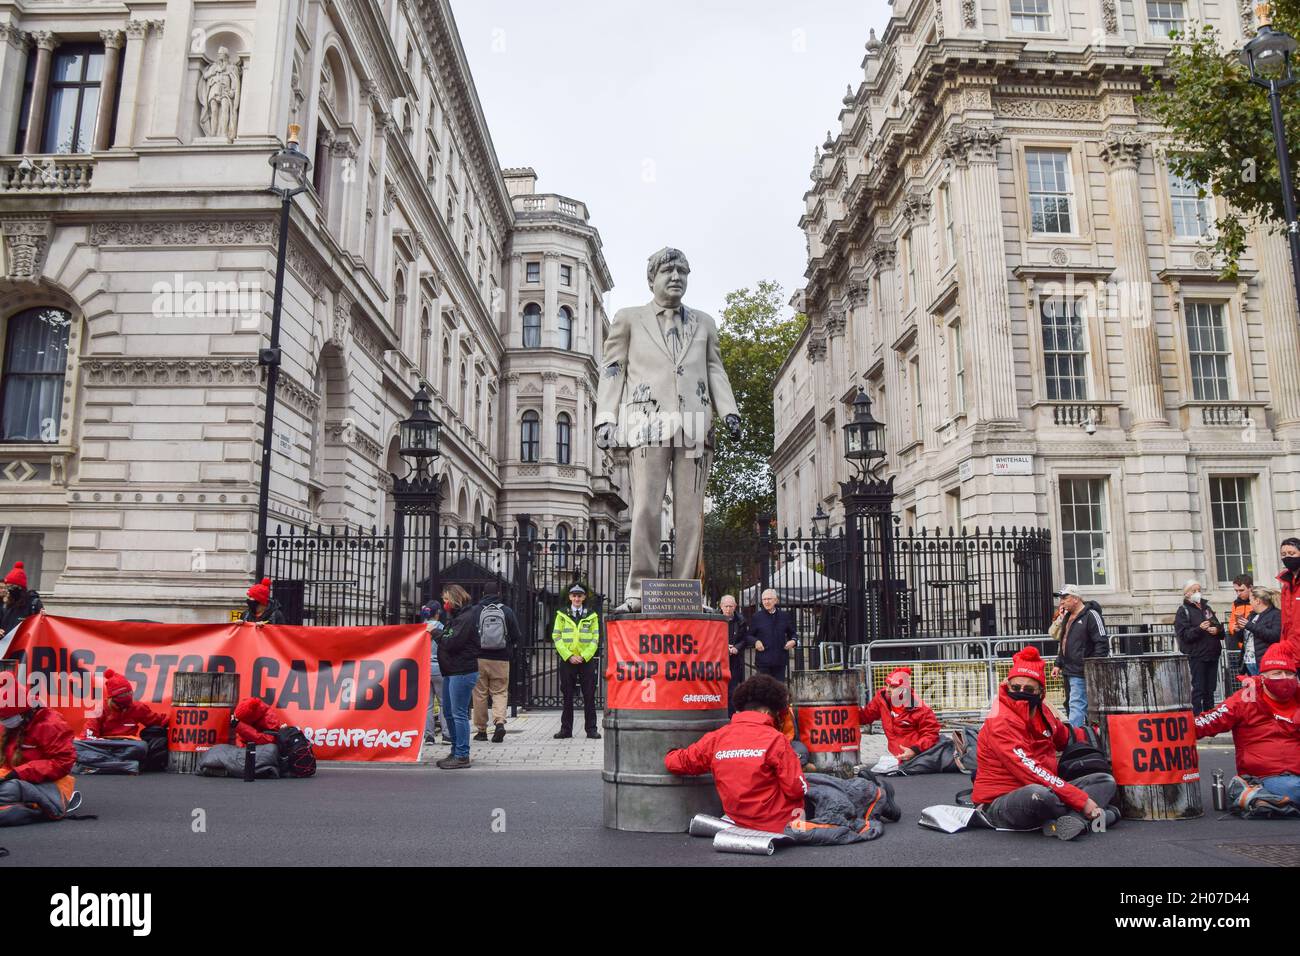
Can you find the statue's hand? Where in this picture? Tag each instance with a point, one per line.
(733, 426)
(605, 436)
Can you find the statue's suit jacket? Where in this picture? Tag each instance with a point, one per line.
(649, 396)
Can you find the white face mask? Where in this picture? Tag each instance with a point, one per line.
(1194, 597)
(10, 723)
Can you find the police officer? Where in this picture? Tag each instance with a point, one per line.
(576, 635)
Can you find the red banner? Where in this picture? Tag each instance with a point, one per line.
(668, 664)
(358, 693)
(194, 729)
(831, 728)
(1151, 749)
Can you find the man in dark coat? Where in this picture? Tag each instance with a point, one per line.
(1200, 637)
(772, 634)
(737, 627)
(19, 603)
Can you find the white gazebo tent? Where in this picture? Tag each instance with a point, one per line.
(795, 584)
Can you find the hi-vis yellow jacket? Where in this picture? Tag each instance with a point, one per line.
(580, 637)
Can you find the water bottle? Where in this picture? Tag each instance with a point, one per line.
(1219, 791)
(250, 762)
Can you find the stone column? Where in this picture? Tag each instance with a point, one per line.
(887, 308)
(974, 150)
(581, 341)
(171, 69)
(859, 331)
(1121, 150)
(510, 452)
(549, 379)
(916, 209)
(14, 47)
(113, 40)
(137, 34)
(45, 44)
(551, 310)
(513, 333)
(820, 386)
(1278, 304)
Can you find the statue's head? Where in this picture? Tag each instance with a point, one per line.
(223, 53)
(666, 272)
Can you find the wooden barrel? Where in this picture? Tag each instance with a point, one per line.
(1142, 706)
(203, 703)
(825, 707)
(639, 792)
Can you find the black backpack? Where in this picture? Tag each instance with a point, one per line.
(1081, 758)
(296, 756)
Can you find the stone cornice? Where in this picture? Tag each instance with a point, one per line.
(183, 232)
(138, 371)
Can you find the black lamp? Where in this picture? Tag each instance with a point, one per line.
(862, 435)
(289, 166)
(821, 523)
(419, 436)
(1268, 54)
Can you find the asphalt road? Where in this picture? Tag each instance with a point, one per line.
(391, 816)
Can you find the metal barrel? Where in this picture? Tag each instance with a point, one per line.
(640, 793)
(825, 707)
(202, 705)
(1142, 707)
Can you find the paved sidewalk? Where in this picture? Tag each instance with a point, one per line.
(530, 745)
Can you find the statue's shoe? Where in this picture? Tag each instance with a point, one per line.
(630, 606)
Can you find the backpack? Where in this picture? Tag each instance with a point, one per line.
(1081, 758)
(492, 628)
(296, 756)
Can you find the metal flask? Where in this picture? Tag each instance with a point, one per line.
(250, 762)
(1218, 791)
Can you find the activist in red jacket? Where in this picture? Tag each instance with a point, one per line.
(1264, 718)
(1017, 784)
(123, 715)
(908, 722)
(1289, 597)
(257, 722)
(753, 765)
(39, 749)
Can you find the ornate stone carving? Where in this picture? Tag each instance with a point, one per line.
(1122, 148)
(225, 232)
(390, 198)
(137, 29)
(550, 376)
(218, 93)
(835, 323)
(971, 143)
(1074, 110)
(1109, 16)
(26, 241)
(859, 295)
(968, 14)
(343, 148)
(136, 371)
(882, 254)
(1060, 257)
(1203, 260)
(816, 348)
(113, 39)
(297, 396)
(916, 208)
(45, 40)
(305, 263)
(938, 19)
(1247, 9)
(365, 340)
(13, 36)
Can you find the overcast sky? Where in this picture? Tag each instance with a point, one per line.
(682, 122)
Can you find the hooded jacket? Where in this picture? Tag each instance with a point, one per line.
(1262, 630)
(754, 768)
(124, 722)
(1017, 747)
(1289, 603)
(41, 750)
(913, 725)
(1085, 638)
(1192, 641)
(257, 721)
(458, 643)
(1267, 741)
(274, 614)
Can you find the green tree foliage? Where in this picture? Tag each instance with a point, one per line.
(755, 339)
(1222, 131)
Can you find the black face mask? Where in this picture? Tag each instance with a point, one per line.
(1028, 696)
(1292, 564)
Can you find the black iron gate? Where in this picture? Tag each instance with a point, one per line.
(952, 584)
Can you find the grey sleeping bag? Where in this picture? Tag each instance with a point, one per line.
(226, 760)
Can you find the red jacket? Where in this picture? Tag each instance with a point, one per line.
(1289, 602)
(41, 751)
(124, 722)
(754, 769)
(1268, 743)
(1017, 749)
(255, 717)
(915, 726)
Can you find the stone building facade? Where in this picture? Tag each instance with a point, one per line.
(1000, 255)
(139, 252)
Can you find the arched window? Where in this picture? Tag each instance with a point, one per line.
(464, 393)
(566, 328)
(532, 326)
(446, 368)
(35, 362)
(530, 437)
(563, 439)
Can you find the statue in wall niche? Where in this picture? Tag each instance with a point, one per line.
(661, 384)
(219, 96)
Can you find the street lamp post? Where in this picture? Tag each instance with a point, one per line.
(288, 178)
(867, 497)
(416, 494)
(1268, 58)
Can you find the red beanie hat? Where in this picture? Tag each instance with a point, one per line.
(261, 593)
(898, 678)
(1277, 660)
(17, 576)
(115, 685)
(1028, 663)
